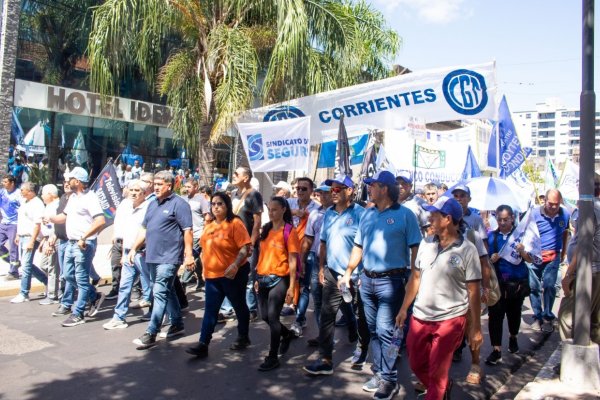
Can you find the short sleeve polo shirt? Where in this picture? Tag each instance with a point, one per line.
(165, 222)
(443, 290)
(386, 238)
(551, 229)
(338, 233)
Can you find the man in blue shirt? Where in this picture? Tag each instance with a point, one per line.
(553, 222)
(167, 232)
(387, 241)
(340, 224)
(10, 200)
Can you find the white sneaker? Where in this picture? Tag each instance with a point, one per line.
(115, 324)
(20, 298)
(296, 328)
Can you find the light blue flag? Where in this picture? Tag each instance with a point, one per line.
(357, 144)
(471, 169)
(511, 155)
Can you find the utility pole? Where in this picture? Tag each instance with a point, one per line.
(580, 364)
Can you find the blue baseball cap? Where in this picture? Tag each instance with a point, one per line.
(78, 173)
(405, 176)
(384, 177)
(463, 187)
(342, 180)
(323, 188)
(446, 205)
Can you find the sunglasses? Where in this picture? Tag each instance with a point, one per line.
(301, 189)
(338, 189)
(217, 204)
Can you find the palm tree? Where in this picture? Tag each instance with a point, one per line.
(206, 56)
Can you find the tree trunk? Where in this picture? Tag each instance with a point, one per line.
(9, 34)
(206, 156)
(53, 150)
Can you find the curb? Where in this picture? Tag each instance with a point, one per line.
(37, 287)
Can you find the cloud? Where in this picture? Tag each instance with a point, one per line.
(429, 11)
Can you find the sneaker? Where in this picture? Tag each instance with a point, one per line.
(225, 317)
(296, 329)
(145, 341)
(96, 304)
(548, 327)
(113, 294)
(115, 324)
(269, 364)
(140, 304)
(494, 358)
(240, 343)
(200, 350)
(536, 325)
(319, 367)
(284, 345)
(513, 345)
(341, 322)
(62, 310)
(48, 301)
(12, 277)
(372, 384)
(173, 331)
(20, 298)
(253, 316)
(287, 311)
(146, 317)
(136, 295)
(73, 320)
(359, 357)
(314, 342)
(386, 390)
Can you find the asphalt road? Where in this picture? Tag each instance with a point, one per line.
(39, 359)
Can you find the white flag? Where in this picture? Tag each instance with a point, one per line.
(527, 233)
(277, 146)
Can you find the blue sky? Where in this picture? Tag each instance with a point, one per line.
(536, 44)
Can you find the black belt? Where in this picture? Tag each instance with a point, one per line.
(391, 272)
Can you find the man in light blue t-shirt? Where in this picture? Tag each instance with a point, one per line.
(10, 200)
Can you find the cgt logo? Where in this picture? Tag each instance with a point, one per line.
(465, 91)
(283, 112)
(255, 147)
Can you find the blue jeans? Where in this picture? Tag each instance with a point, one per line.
(27, 267)
(129, 274)
(543, 278)
(215, 291)
(77, 264)
(382, 298)
(305, 284)
(163, 275)
(250, 293)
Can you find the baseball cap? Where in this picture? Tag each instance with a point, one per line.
(446, 205)
(323, 188)
(78, 173)
(342, 180)
(283, 185)
(463, 187)
(405, 176)
(384, 177)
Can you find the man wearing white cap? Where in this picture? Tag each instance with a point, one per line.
(283, 189)
(84, 219)
(408, 199)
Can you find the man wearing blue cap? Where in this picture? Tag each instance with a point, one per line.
(445, 286)
(386, 242)
(340, 224)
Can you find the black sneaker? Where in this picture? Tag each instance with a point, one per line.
(113, 294)
(269, 364)
(386, 390)
(359, 357)
(319, 367)
(200, 350)
(223, 318)
(96, 304)
(494, 358)
(513, 345)
(314, 342)
(240, 343)
(284, 346)
(173, 331)
(62, 310)
(145, 341)
(253, 316)
(73, 320)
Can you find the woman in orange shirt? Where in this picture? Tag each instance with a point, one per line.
(225, 248)
(279, 248)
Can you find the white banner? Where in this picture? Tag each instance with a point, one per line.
(277, 146)
(569, 184)
(527, 233)
(442, 94)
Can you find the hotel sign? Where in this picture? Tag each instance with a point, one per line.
(70, 101)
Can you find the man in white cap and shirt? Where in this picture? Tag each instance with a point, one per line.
(84, 219)
(409, 200)
(283, 189)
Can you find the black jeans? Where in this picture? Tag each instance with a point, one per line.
(270, 303)
(116, 252)
(512, 309)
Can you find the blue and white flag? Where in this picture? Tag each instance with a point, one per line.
(358, 145)
(551, 178)
(277, 146)
(16, 130)
(472, 169)
(527, 233)
(79, 150)
(509, 155)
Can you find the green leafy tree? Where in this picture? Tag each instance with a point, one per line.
(212, 59)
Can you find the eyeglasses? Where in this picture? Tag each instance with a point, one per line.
(217, 204)
(301, 188)
(338, 189)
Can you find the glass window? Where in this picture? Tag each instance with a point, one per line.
(546, 115)
(546, 124)
(574, 123)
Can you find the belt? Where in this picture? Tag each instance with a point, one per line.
(391, 272)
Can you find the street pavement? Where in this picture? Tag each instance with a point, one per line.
(39, 359)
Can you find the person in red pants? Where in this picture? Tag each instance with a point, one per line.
(445, 286)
